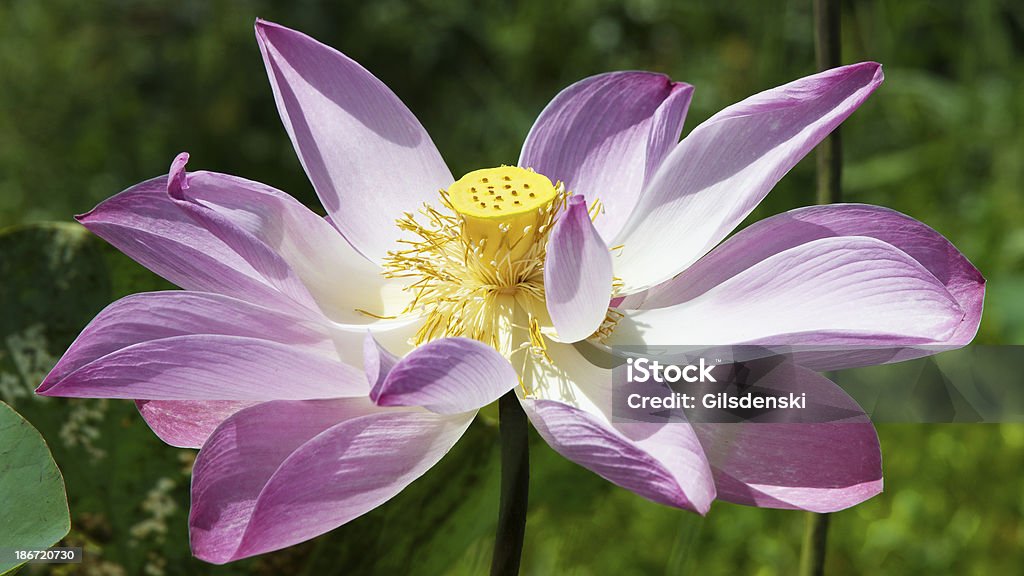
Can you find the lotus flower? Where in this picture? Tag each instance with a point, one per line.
(324, 364)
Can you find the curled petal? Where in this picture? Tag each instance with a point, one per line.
(368, 157)
(216, 233)
(716, 176)
(577, 274)
(447, 376)
(605, 135)
(282, 472)
(297, 251)
(147, 225)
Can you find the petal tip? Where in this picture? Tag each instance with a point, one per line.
(262, 25)
(683, 87)
(578, 273)
(177, 178)
(45, 389)
(871, 66)
(377, 364)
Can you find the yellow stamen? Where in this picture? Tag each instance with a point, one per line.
(611, 320)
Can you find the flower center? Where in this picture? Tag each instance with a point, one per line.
(476, 265)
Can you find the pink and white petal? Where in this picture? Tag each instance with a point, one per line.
(283, 472)
(368, 157)
(569, 405)
(187, 423)
(605, 136)
(790, 229)
(147, 225)
(239, 458)
(446, 376)
(394, 334)
(297, 248)
(377, 362)
(267, 263)
(831, 291)
(814, 464)
(577, 274)
(157, 315)
(716, 176)
(211, 367)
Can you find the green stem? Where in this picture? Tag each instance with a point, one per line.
(812, 559)
(515, 485)
(827, 52)
(827, 47)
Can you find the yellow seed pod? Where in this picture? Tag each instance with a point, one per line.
(502, 209)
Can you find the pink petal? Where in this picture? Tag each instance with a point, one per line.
(577, 274)
(377, 362)
(157, 315)
(810, 464)
(570, 404)
(368, 157)
(832, 291)
(267, 263)
(217, 233)
(153, 316)
(605, 136)
(447, 376)
(297, 251)
(661, 462)
(784, 231)
(211, 367)
(144, 223)
(717, 175)
(187, 423)
(282, 472)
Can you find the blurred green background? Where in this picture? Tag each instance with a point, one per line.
(96, 96)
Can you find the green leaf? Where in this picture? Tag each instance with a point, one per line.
(33, 505)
